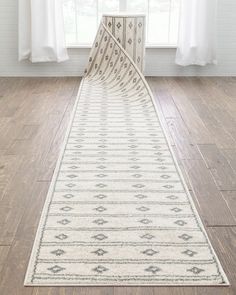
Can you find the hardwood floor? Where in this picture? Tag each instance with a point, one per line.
(199, 115)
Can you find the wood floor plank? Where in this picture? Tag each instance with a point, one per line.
(8, 168)
(135, 291)
(17, 197)
(188, 113)
(13, 272)
(54, 291)
(216, 89)
(160, 90)
(230, 155)
(222, 138)
(207, 109)
(8, 132)
(216, 103)
(227, 85)
(184, 143)
(3, 254)
(230, 198)
(213, 208)
(224, 175)
(27, 132)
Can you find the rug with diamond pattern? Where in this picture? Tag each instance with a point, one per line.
(118, 211)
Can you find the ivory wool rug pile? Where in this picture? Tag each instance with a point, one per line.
(118, 211)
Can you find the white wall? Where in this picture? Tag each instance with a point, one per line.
(159, 62)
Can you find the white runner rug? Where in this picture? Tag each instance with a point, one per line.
(118, 211)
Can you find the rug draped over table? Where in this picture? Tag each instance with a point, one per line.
(118, 211)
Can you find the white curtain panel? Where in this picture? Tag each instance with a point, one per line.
(41, 31)
(197, 33)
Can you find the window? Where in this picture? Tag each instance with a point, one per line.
(82, 18)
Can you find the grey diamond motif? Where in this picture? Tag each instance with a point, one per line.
(168, 186)
(58, 252)
(72, 176)
(139, 185)
(61, 237)
(137, 175)
(140, 196)
(145, 221)
(68, 196)
(118, 25)
(100, 269)
(73, 167)
(100, 237)
(100, 221)
(100, 197)
(64, 221)
(163, 168)
(134, 159)
(165, 176)
(135, 167)
(101, 185)
(190, 253)
(195, 270)
(100, 209)
(102, 152)
(159, 160)
(143, 209)
(101, 167)
(153, 269)
(147, 236)
(150, 252)
(56, 268)
(180, 222)
(66, 209)
(70, 185)
(185, 237)
(172, 197)
(176, 209)
(101, 175)
(100, 252)
(130, 25)
(130, 41)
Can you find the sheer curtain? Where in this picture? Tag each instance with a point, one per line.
(41, 31)
(197, 33)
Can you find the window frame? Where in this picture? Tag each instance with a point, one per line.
(123, 7)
